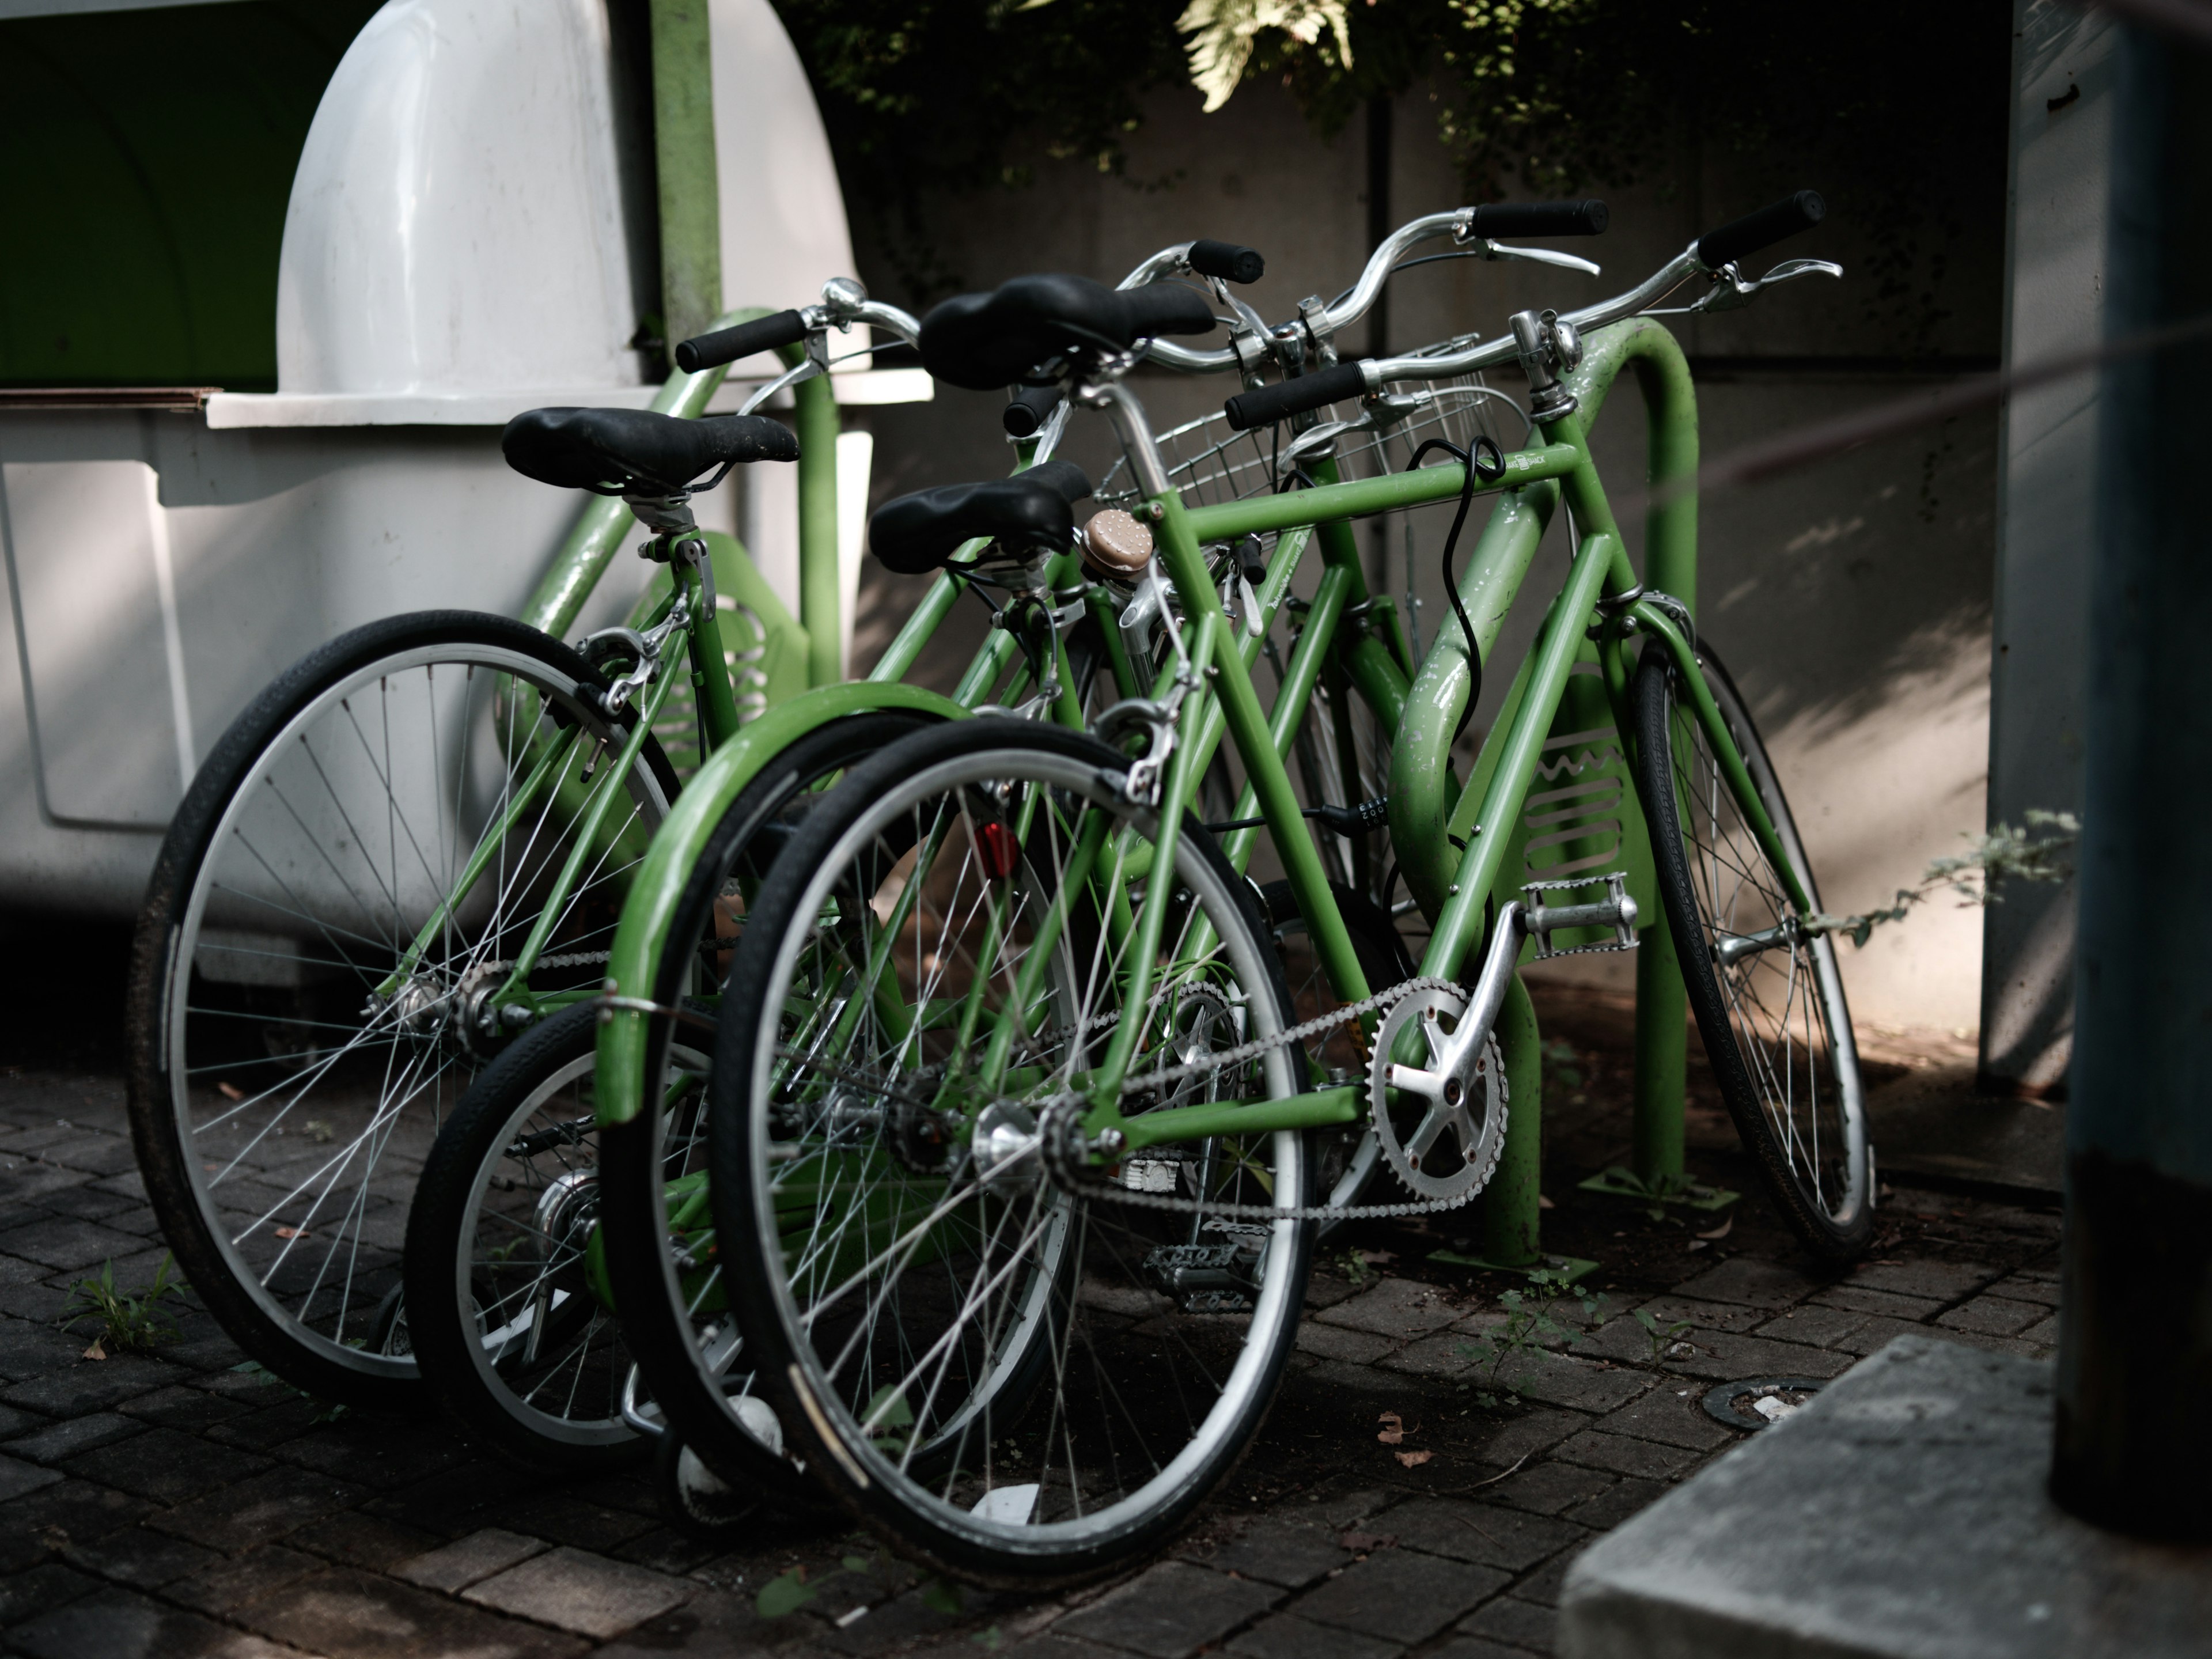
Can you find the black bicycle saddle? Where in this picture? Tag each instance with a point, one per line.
(985, 340)
(1031, 510)
(635, 449)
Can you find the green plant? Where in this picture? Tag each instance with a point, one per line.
(1659, 1336)
(128, 1321)
(2006, 854)
(1561, 1063)
(1529, 1324)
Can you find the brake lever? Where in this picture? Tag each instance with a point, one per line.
(1729, 292)
(816, 362)
(1536, 256)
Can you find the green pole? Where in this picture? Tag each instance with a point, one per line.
(683, 155)
(819, 600)
(1670, 565)
(1509, 1203)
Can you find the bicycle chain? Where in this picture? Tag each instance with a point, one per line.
(1114, 1192)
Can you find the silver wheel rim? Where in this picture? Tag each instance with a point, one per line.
(360, 1238)
(1058, 1226)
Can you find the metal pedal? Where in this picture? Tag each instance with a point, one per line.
(1201, 1278)
(1616, 910)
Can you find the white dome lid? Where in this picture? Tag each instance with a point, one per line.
(456, 223)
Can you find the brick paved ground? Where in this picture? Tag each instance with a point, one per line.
(174, 1506)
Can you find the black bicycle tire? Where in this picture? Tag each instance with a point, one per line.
(629, 1152)
(1652, 695)
(184, 851)
(871, 1504)
(443, 1339)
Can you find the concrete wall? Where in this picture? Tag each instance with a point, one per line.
(2061, 134)
(1852, 600)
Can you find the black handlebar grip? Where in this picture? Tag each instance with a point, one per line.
(1159, 308)
(728, 344)
(1028, 411)
(1273, 403)
(1230, 261)
(1756, 230)
(1586, 218)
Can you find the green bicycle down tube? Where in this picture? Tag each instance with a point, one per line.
(1257, 515)
(657, 888)
(1422, 791)
(1657, 623)
(551, 763)
(599, 529)
(1105, 1084)
(588, 827)
(1459, 925)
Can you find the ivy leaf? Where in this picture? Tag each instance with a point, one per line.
(784, 1595)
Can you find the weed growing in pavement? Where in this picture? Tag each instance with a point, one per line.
(790, 1590)
(1529, 1324)
(1661, 1337)
(128, 1321)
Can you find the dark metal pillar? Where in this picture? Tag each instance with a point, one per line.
(2134, 1440)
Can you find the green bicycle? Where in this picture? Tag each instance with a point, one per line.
(1013, 1131)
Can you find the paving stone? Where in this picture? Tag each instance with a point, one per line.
(1529, 1431)
(256, 1510)
(166, 1465)
(1401, 1309)
(29, 1350)
(468, 1560)
(1877, 1332)
(69, 1242)
(1339, 1342)
(1326, 1290)
(121, 1622)
(56, 1441)
(1617, 1502)
(85, 1203)
(225, 1589)
(1562, 1380)
(1543, 1585)
(580, 1592)
(1285, 1636)
(364, 1449)
(67, 1512)
(2044, 1333)
(14, 1422)
(1622, 1455)
(362, 1541)
(1172, 1610)
(181, 1408)
(1993, 1315)
(141, 1558)
(1049, 1644)
(283, 1418)
(565, 1519)
(1278, 1551)
(1674, 1415)
(1722, 1358)
(1485, 1534)
(1549, 1488)
(1401, 1594)
(355, 1615)
(94, 1154)
(1987, 1344)
(214, 1352)
(1516, 1623)
(1822, 1327)
(40, 1589)
(18, 1479)
(1748, 1280)
(666, 1550)
(41, 1304)
(2021, 1287)
(1943, 1281)
(91, 1385)
(1474, 1647)
(1446, 1353)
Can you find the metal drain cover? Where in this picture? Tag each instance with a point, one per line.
(1758, 1402)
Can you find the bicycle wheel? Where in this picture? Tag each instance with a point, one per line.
(1016, 1380)
(1345, 1160)
(1769, 1000)
(660, 1245)
(505, 1318)
(335, 907)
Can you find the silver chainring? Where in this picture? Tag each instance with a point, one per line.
(1475, 1117)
